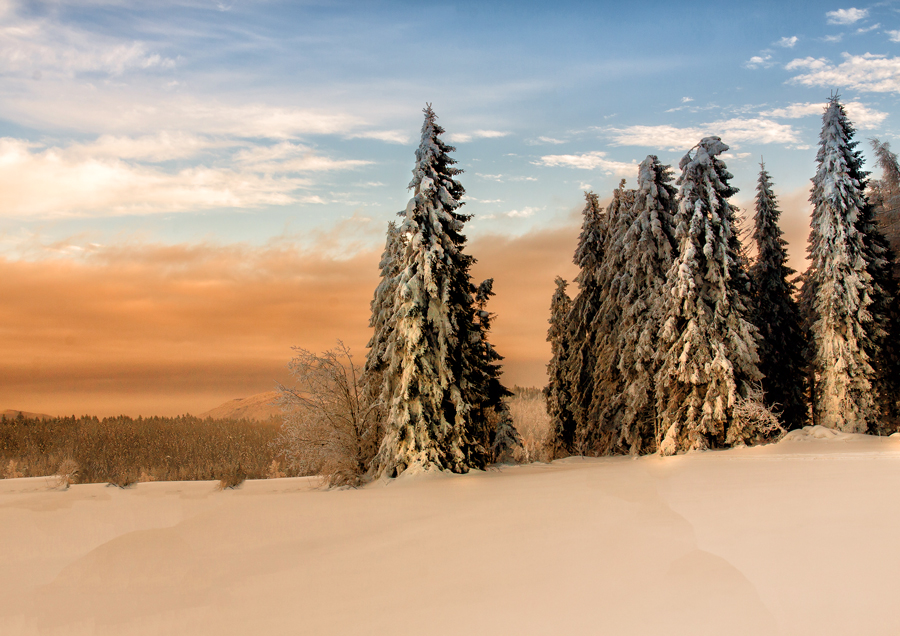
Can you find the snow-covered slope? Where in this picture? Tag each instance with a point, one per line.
(794, 538)
(255, 407)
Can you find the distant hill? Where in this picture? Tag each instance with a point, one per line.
(12, 414)
(256, 407)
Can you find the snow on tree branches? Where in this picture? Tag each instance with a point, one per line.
(582, 353)
(648, 249)
(707, 345)
(600, 434)
(840, 281)
(440, 372)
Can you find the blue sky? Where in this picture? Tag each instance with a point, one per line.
(188, 189)
(236, 121)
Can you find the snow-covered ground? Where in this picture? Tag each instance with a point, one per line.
(801, 537)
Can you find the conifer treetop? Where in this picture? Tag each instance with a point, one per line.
(589, 252)
(771, 248)
(434, 166)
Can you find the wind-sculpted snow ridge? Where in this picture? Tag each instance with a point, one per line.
(808, 433)
(796, 538)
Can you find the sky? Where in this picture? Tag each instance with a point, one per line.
(189, 189)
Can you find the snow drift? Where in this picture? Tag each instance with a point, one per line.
(794, 538)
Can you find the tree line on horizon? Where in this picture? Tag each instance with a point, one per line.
(676, 340)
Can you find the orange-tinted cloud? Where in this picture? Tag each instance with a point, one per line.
(150, 329)
(164, 330)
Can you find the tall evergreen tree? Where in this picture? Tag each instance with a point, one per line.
(581, 335)
(431, 358)
(707, 344)
(493, 421)
(882, 229)
(381, 321)
(776, 314)
(601, 436)
(557, 392)
(649, 247)
(841, 283)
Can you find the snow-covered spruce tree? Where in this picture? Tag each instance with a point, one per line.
(884, 194)
(881, 232)
(557, 394)
(840, 282)
(707, 346)
(601, 436)
(776, 313)
(493, 421)
(428, 379)
(580, 328)
(648, 249)
(381, 321)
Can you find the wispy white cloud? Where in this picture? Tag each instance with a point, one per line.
(389, 136)
(759, 61)
(545, 140)
(867, 72)
(735, 130)
(111, 177)
(788, 43)
(490, 177)
(51, 182)
(833, 38)
(595, 160)
(868, 28)
(811, 63)
(164, 146)
(476, 134)
(846, 16)
(477, 200)
(863, 117)
(289, 157)
(36, 47)
(796, 110)
(893, 36)
(522, 214)
(131, 111)
(685, 100)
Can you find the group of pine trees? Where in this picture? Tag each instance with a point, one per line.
(674, 330)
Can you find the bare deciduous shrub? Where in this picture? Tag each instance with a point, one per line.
(529, 414)
(752, 421)
(67, 473)
(328, 428)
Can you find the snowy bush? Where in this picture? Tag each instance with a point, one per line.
(752, 422)
(329, 428)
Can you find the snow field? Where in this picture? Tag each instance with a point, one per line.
(794, 538)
